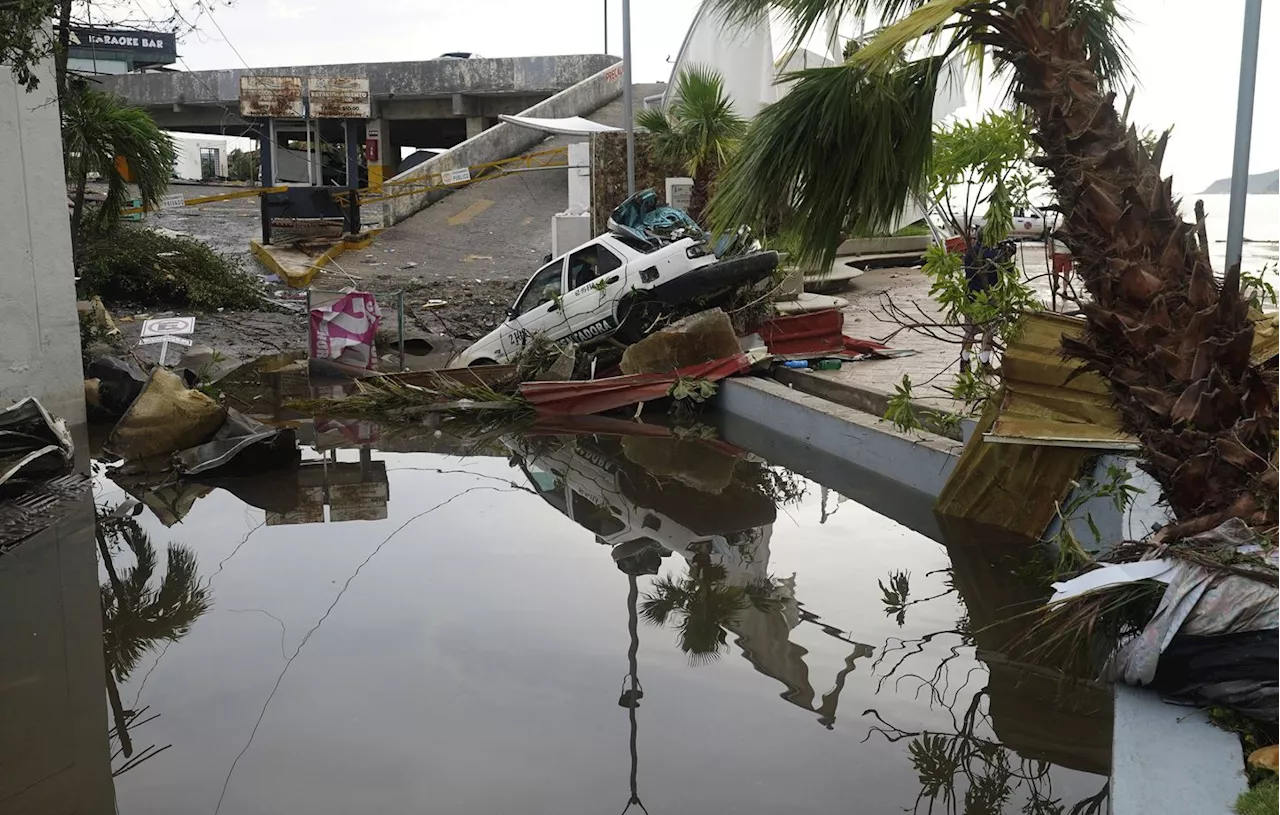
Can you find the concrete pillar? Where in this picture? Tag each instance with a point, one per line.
(475, 126)
(39, 329)
(381, 157)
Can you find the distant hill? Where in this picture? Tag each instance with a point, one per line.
(1262, 183)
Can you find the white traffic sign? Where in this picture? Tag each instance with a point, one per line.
(166, 338)
(171, 200)
(457, 176)
(168, 325)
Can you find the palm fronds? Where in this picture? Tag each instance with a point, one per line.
(98, 128)
(885, 49)
(840, 153)
(136, 617)
(807, 17)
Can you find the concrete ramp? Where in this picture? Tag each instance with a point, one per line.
(503, 140)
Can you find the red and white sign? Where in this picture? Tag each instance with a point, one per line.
(168, 325)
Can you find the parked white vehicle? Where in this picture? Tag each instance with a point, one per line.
(614, 284)
(1030, 222)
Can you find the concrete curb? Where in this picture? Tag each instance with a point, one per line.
(922, 462)
(297, 273)
(858, 397)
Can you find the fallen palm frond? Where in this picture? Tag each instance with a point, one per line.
(384, 397)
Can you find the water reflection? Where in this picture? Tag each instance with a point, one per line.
(713, 505)
(140, 611)
(479, 656)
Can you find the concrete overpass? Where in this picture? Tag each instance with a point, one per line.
(433, 103)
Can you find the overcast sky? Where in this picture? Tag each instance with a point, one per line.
(1186, 52)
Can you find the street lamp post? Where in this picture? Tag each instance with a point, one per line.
(628, 124)
(1244, 130)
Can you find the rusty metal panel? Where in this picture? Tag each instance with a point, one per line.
(598, 395)
(339, 97)
(271, 97)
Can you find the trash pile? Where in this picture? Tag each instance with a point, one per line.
(165, 424)
(681, 362)
(1197, 619)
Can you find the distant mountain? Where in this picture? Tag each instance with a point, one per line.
(1260, 184)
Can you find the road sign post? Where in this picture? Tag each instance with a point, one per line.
(165, 330)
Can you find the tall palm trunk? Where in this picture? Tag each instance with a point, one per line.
(1173, 343)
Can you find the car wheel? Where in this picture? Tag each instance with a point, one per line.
(483, 361)
(636, 316)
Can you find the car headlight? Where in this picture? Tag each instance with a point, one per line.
(698, 250)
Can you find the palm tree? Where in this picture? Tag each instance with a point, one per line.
(704, 605)
(844, 149)
(699, 132)
(103, 134)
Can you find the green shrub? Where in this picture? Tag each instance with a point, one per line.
(134, 264)
(1260, 800)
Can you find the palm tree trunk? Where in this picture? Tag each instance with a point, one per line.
(1173, 342)
(77, 207)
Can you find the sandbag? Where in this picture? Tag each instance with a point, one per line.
(167, 416)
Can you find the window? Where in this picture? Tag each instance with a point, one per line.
(590, 262)
(545, 286)
(633, 241)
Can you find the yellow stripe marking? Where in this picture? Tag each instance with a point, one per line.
(470, 212)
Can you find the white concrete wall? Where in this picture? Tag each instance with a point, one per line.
(39, 331)
(187, 164)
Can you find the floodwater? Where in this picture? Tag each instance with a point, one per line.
(563, 624)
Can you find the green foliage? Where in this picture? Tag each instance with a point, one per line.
(1000, 309)
(847, 145)
(1257, 289)
(96, 128)
(1260, 799)
(700, 129)
(900, 411)
(837, 155)
(24, 41)
(974, 390)
(1114, 487)
(243, 165)
(134, 264)
(989, 160)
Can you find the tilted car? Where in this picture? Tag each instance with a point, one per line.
(615, 285)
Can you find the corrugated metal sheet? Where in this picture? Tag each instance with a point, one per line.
(599, 395)
(1044, 404)
(1266, 337)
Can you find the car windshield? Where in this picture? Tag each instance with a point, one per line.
(545, 285)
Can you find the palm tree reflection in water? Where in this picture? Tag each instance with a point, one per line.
(136, 618)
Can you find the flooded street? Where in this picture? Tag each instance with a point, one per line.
(563, 625)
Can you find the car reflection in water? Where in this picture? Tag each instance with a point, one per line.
(711, 504)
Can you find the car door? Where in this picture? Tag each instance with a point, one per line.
(597, 278)
(538, 309)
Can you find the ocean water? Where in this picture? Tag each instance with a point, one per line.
(1261, 230)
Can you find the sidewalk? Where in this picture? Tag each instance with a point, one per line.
(932, 370)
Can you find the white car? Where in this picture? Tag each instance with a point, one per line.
(614, 284)
(1030, 222)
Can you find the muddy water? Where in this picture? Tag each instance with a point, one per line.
(566, 625)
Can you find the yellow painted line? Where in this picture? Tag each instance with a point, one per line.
(205, 199)
(470, 212)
